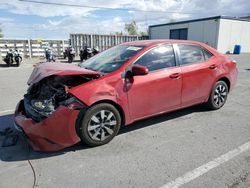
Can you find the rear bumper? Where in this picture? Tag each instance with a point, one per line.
(53, 133)
(234, 77)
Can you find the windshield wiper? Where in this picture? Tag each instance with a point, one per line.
(101, 73)
(87, 68)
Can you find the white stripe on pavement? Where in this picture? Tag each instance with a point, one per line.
(189, 176)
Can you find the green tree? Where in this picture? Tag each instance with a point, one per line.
(119, 33)
(131, 28)
(143, 33)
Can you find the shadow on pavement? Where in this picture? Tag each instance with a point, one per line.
(4, 65)
(22, 151)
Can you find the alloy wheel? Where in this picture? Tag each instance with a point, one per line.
(220, 95)
(102, 125)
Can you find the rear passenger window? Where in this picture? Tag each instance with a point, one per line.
(158, 58)
(207, 54)
(190, 54)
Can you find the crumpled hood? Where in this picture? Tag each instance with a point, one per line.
(60, 69)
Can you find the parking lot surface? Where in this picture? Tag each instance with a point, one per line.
(192, 147)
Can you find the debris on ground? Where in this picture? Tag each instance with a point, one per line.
(10, 138)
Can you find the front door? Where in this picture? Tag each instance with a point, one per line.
(160, 90)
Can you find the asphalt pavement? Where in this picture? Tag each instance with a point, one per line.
(191, 148)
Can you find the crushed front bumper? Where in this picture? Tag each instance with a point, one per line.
(53, 133)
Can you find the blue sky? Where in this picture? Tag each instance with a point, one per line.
(30, 20)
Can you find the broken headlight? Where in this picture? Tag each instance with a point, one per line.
(44, 105)
(73, 103)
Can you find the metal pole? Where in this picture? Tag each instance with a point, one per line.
(91, 41)
(30, 51)
(63, 45)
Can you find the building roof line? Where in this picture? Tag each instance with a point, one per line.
(201, 19)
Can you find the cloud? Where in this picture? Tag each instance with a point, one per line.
(62, 20)
(189, 6)
(6, 19)
(43, 10)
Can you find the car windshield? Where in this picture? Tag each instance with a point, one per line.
(111, 59)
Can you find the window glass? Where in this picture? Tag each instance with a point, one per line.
(190, 54)
(111, 59)
(158, 58)
(207, 54)
(179, 34)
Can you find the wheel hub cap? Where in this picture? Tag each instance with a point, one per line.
(101, 125)
(220, 95)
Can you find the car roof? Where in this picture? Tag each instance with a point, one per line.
(151, 43)
(160, 41)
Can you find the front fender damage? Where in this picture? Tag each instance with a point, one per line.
(51, 134)
(48, 112)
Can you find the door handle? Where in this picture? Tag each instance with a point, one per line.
(175, 75)
(212, 66)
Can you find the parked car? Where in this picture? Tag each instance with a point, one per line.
(66, 104)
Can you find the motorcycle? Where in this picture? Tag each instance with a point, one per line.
(96, 50)
(87, 52)
(17, 57)
(12, 56)
(71, 54)
(65, 53)
(49, 54)
(83, 53)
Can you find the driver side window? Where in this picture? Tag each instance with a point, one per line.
(157, 58)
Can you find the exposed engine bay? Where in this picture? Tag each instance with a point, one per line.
(45, 96)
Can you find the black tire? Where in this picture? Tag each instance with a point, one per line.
(81, 59)
(90, 120)
(218, 96)
(18, 61)
(9, 61)
(70, 59)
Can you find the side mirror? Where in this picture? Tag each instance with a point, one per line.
(138, 70)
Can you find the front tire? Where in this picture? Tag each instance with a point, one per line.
(100, 124)
(18, 61)
(9, 61)
(218, 96)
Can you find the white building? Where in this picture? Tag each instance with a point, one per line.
(220, 32)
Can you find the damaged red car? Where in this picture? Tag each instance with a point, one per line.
(66, 104)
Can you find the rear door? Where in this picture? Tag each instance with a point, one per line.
(198, 69)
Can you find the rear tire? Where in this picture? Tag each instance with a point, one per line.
(218, 96)
(100, 124)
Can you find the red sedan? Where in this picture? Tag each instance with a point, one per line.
(65, 103)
